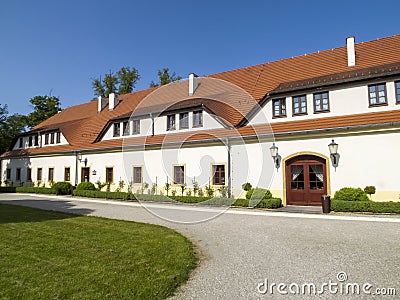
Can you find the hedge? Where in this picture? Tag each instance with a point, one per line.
(26, 189)
(365, 206)
(104, 195)
(351, 194)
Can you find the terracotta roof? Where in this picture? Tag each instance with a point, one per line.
(82, 124)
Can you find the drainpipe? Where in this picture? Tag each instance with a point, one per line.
(229, 168)
(76, 168)
(152, 124)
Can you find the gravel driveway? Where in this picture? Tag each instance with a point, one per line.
(242, 249)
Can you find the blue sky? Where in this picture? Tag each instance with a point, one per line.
(57, 47)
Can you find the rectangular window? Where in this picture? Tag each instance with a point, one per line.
(36, 140)
(46, 139)
(198, 118)
(52, 138)
(21, 142)
(109, 175)
(39, 174)
(279, 107)
(8, 174)
(171, 122)
(184, 121)
(125, 128)
(117, 129)
(321, 102)
(28, 174)
(218, 175)
(397, 86)
(377, 94)
(51, 174)
(137, 174)
(18, 174)
(136, 127)
(179, 174)
(30, 141)
(67, 174)
(58, 137)
(299, 105)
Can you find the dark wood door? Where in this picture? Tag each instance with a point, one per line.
(305, 180)
(85, 173)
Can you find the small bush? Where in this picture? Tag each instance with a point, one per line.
(62, 188)
(34, 190)
(370, 190)
(104, 195)
(246, 186)
(7, 189)
(351, 194)
(86, 186)
(365, 206)
(270, 203)
(258, 194)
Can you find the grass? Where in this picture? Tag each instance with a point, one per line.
(53, 255)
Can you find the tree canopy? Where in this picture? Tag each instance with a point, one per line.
(43, 108)
(123, 82)
(165, 78)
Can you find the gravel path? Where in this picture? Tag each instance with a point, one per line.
(242, 248)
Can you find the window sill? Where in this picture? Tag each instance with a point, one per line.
(182, 128)
(279, 117)
(321, 111)
(378, 104)
(197, 126)
(300, 114)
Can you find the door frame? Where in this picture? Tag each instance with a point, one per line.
(327, 168)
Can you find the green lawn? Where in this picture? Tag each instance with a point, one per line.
(52, 255)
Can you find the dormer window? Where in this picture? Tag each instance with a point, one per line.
(30, 140)
(52, 138)
(136, 127)
(21, 142)
(117, 129)
(397, 85)
(171, 122)
(125, 128)
(279, 108)
(46, 139)
(321, 102)
(36, 140)
(299, 105)
(377, 94)
(184, 120)
(198, 118)
(58, 137)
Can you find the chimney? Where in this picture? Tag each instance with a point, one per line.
(113, 101)
(193, 84)
(101, 103)
(351, 53)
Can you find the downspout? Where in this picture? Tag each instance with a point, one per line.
(76, 168)
(152, 124)
(229, 168)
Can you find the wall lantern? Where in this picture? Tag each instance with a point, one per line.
(333, 149)
(94, 172)
(275, 156)
(85, 161)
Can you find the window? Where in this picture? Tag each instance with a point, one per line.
(46, 139)
(39, 174)
(125, 128)
(171, 122)
(137, 174)
(179, 174)
(117, 127)
(51, 174)
(58, 137)
(198, 118)
(279, 107)
(183, 120)
(377, 94)
(109, 175)
(321, 102)
(18, 174)
(136, 127)
(28, 174)
(21, 142)
(8, 174)
(30, 141)
(52, 138)
(67, 174)
(397, 86)
(36, 140)
(299, 105)
(218, 174)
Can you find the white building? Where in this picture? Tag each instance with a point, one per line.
(218, 130)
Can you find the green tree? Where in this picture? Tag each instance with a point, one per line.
(110, 82)
(10, 127)
(123, 82)
(98, 88)
(43, 108)
(127, 79)
(165, 78)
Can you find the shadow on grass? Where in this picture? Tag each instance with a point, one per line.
(24, 210)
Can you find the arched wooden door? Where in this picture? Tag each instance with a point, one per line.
(305, 180)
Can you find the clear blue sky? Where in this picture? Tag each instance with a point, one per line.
(59, 46)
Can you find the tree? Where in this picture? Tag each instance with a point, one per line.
(43, 108)
(10, 127)
(165, 78)
(123, 82)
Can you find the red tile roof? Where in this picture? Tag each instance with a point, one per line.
(81, 124)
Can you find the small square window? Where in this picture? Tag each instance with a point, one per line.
(183, 120)
(321, 102)
(299, 105)
(136, 127)
(198, 118)
(279, 107)
(171, 122)
(218, 175)
(377, 94)
(117, 129)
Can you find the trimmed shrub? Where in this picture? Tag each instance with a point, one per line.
(86, 186)
(270, 203)
(246, 186)
(370, 190)
(34, 190)
(62, 188)
(104, 195)
(258, 194)
(365, 206)
(351, 194)
(7, 189)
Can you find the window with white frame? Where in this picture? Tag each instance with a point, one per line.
(171, 122)
(125, 128)
(198, 118)
(136, 127)
(184, 120)
(377, 94)
(397, 87)
(117, 129)
(321, 102)
(279, 107)
(299, 105)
